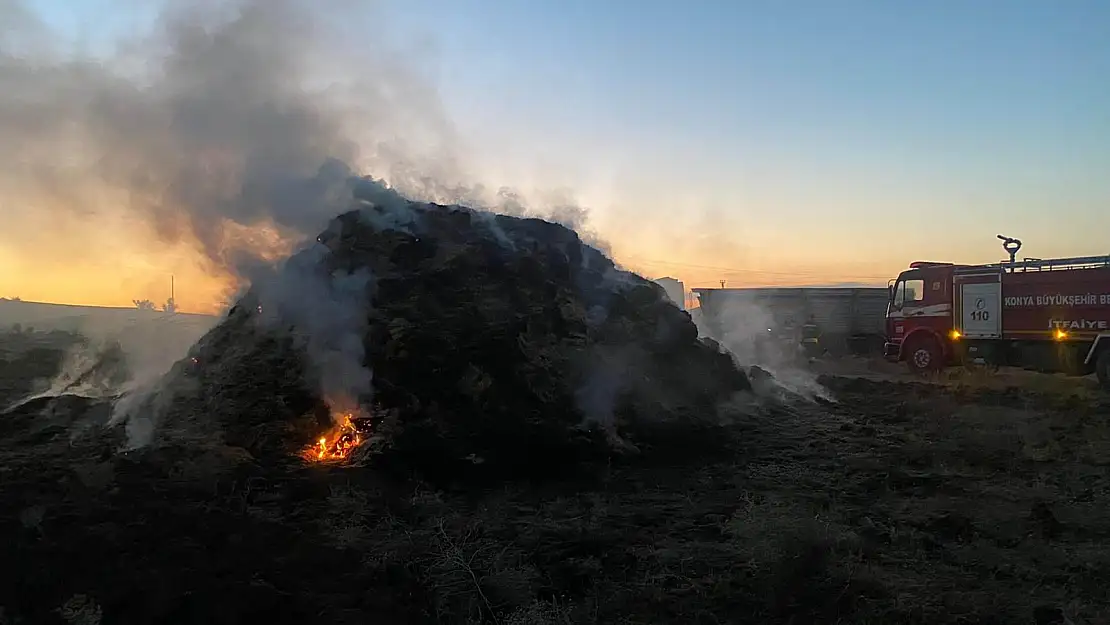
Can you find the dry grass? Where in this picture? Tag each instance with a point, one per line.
(968, 377)
(81, 610)
(977, 377)
(957, 502)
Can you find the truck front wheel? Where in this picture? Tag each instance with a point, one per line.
(923, 355)
(1102, 368)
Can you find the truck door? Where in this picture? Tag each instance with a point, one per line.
(979, 303)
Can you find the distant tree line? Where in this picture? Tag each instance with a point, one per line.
(144, 304)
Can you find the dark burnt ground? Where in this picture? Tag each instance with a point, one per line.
(27, 357)
(900, 504)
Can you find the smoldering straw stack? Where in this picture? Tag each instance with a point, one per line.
(490, 343)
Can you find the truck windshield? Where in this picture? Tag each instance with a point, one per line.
(908, 290)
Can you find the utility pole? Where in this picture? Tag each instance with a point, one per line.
(171, 304)
(722, 284)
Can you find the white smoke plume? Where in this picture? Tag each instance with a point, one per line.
(237, 124)
(758, 335)
(118, 354)
(231, 126)
(239, 127)
(328, 315)
(88, 369)
(608, 375)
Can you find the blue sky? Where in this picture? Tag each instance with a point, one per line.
(804, 138)
(936, 123)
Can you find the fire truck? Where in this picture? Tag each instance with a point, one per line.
(1048, 315)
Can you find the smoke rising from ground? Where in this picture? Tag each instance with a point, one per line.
(118, 356)
(329, 314)
(750, 331)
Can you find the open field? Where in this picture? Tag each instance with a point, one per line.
(92, 320)
(38, 339)
(970, 377)
(964, 501)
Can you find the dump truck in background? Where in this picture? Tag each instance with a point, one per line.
(1049, 315)
(852, 320)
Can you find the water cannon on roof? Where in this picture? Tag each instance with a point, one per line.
(1011, 246)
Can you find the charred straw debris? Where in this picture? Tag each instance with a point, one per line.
(457, 343)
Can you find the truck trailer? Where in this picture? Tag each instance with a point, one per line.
(851, 319)
(1048, 315)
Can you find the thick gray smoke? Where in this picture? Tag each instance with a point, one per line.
(238, 127)
(219, 138)
(227, 115)
(217, 126)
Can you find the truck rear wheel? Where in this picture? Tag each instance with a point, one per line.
(1102, 368)
(923, 355)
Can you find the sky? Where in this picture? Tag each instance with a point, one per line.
(756, 142)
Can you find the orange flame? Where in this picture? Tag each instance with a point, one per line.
(337, 444)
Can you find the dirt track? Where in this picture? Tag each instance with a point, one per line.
(901, 503)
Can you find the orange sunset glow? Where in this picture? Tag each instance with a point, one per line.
(112, 266)
(106, 253)
(108, 256)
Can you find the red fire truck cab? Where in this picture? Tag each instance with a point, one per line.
(1045, 315)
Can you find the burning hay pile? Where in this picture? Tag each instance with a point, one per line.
(451, 339)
